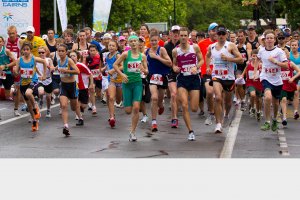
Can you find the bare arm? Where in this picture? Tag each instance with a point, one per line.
(164, 58)
(175, 66)
(249, 50)
(43, 61)
(199, 56)
(238, 57)
(207, 58)
(296, 75)
(144, 67)
(117, 64)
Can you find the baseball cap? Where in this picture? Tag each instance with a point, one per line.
(251, 28)
(142, 38)
(175, 28)
(107, 35)
(221, 28)
(23, 36)
(287, 29)
(122, 38)
(30, 29)
(212, 26)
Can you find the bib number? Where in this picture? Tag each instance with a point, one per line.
(157, 79)
(26, 73)
(223, 73)
(2, 75)
(271, 71)
(96, 73)
(133, 67)
(285, 75)
(186, 70)
(251, 74)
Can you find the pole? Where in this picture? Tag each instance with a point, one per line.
(174, 12)
(55, 16)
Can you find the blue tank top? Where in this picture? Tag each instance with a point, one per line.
(155, 66)
(65, 65)
(27, 73)
(4, 59)
(295, 60)
(110, 64)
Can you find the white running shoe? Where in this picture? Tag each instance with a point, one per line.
(16, 113)
(144, 119)
(132, 137)
(191, 136)
(76, 117)
(218, 128)
(209, 119)
(48, 114)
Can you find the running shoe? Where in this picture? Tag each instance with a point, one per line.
(24, 107)
(258, 116)
(209, 119)
(112, 122)
(94, 111)
(174, 123)
(144, 119)
(161, 110)
(243, 106)
(218, 128)
(284, 122)
(66, 131)
(37, 114)
(296, 115)
(132, 137)
(154, 128)
(90, 106)
(191, 136)
(48, 114)
(35, 126)
(16, 113)
(80, 122)
(252, 112)
(266, 126)
(274, 125)
(201, 113)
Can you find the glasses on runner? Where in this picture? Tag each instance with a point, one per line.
(41, 52)
(280, 38)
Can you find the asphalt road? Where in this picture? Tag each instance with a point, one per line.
(241, 138)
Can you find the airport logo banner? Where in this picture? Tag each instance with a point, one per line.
(20, 13)
(101, 14)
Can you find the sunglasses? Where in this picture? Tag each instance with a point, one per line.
(280, 38)
(221, 33)
(41, 52)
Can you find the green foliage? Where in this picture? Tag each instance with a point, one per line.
(196, 14)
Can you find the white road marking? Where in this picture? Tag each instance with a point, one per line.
(25, 115)
(231, 136)
(3, 108)
(283, 143)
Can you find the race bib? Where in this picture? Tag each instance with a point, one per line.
(56, 72)
(143, 75)
(186, 70)
(271, 71)
(26, 73)
(133, 67)
(96, 73)
(157, 79)
(285, 75)
(251, 74)
(222, 72)
(84, 53)
(2, 75)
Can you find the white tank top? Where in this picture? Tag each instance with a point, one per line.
(223, 70)
(40, 67)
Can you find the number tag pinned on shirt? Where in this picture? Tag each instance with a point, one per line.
(26, 73)
(186, 70)
(156, 79)
(2, 75)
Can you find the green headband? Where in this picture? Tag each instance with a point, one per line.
(133, 37)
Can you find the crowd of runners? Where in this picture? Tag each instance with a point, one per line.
(220, 68)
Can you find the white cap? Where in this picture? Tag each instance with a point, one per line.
(30, 29)
(23, 36)
(107, 35)
(175, 28)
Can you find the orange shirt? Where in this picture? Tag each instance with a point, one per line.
(203, 45)
(147, 42)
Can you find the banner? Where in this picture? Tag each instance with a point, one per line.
(101, 14)
(62, 10)
(20, 13)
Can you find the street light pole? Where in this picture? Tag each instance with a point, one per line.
(174, 12)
